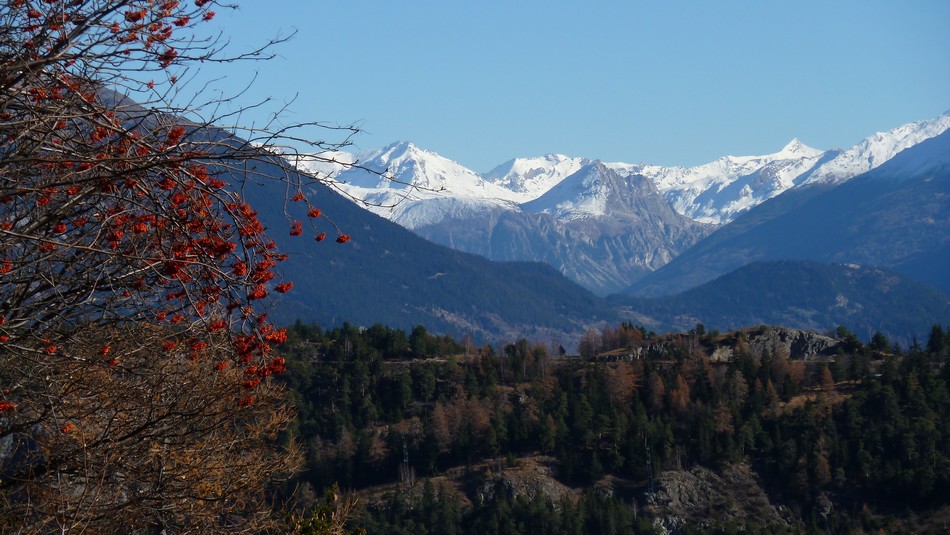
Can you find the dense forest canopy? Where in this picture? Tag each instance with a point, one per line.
(428, 430)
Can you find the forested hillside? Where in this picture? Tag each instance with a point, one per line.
(437, 436)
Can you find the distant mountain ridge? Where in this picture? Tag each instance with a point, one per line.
(800, 294)
(389, 275)
(896, 215)
(715, 192)
(875, 150)
(599, 228)
(590, 226)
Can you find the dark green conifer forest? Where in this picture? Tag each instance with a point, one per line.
(435, 435)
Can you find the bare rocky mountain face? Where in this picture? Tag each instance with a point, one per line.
(696, 498)
(599, 228)
(795, 343)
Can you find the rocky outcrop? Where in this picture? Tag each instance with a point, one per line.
(795, 343)
(701, 498)
(530, 479)
(790, 343)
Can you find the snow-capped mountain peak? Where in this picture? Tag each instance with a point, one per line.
(414, 186)
(875, 150)
(582, 194)
(718, 191)
(795, 148)
(715, 192)
(418, 173)
(531, 177)
(927, 158)
(596, 191)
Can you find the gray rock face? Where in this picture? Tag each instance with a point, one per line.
(795, 343)
(632, 231)
(790, 343)
(701, 498)
(530, 480)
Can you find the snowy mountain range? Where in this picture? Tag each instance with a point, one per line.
(895, 216)
(572, 212)
(718, 191)
(710, 193)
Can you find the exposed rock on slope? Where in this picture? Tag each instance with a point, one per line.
(700, 498)
(792, 343)
(533, 477)
(796, 343)
(597, 227)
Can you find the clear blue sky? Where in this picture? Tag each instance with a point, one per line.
(669, 82)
